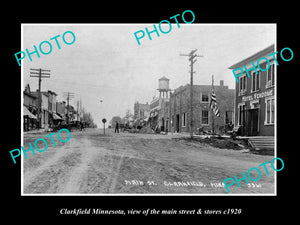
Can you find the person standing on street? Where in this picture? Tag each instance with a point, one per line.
(117, 127)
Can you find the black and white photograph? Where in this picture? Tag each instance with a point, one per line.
(149, 109)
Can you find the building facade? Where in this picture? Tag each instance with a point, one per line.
(203, 117)
(61, 109)
(141, 111)
(29, 110)
(52, 108)
(48, 108)
(159, 118)
(255, 95)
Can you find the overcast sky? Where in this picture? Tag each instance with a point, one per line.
(106, 63)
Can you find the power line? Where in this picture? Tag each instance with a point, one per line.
(191, 56)
(68, 96)
(40, 74)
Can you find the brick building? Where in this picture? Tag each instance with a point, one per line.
(202, 115)
(141, 111)
(255, 95)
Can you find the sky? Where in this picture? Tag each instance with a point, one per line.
(106, 63)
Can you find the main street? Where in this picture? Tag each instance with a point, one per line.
(127, 163)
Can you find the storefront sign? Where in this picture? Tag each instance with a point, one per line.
(258, 95)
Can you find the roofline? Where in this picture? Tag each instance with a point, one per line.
(29, 94)
(259, 54)
(163, 78)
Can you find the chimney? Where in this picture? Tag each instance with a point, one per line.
(221, 82)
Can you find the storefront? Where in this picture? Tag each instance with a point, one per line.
(256, 114)
(255, 110)
(29, 120)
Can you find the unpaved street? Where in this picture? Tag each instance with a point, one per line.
(91, 163)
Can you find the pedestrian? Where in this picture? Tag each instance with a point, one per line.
(117, 127)
(81, 126)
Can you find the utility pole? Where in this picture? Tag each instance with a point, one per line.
(191, 56)
(213, 116)
(77, 109)
(68, 96)
(80, 107)
(40, 74)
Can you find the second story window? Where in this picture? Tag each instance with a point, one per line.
(271, 76)
(242, 85)
(255, 81)
(204, 97)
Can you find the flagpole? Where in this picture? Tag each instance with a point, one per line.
(213, 117)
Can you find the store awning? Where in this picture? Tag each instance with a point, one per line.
(26, 112)
(56, 117)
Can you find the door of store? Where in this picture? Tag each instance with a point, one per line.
(177, 123)
(252, 122)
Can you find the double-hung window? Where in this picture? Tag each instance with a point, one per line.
(242, 84)
(204, 117)
(271, 76)
(255, 84)
(270, 111)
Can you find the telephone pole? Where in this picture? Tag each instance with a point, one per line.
(191, 56)
(77, 109)
(213, 117)
(68, 96)
(40, 74)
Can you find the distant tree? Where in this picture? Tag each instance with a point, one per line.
(88, 119)
(114, 120)
(128, 117)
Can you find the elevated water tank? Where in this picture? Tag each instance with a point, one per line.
(163, 84)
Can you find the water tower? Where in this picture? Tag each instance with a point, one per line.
(163, 87)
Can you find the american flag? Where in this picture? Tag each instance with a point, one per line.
(213, 103)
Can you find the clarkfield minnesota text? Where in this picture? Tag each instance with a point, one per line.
(150, 211)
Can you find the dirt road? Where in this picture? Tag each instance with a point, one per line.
(91, 163)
